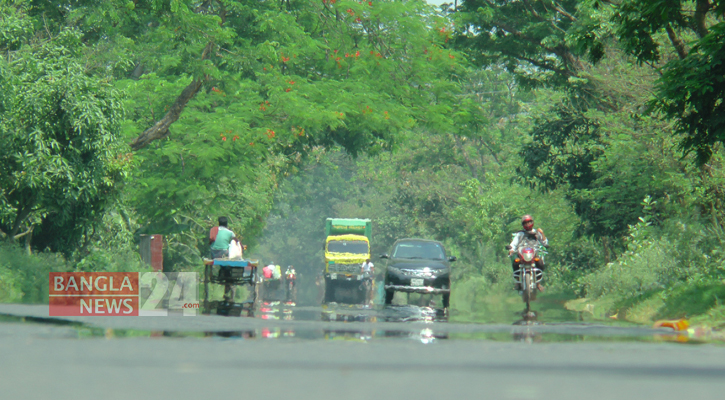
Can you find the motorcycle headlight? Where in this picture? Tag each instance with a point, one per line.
(528, 256)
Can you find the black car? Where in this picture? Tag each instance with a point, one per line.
(418, 266)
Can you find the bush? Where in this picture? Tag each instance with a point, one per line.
(650, 268)
(24, 277)
(107, 260)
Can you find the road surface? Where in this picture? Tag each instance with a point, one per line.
(315, 354)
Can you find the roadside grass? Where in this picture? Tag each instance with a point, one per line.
(692, 300)
(701, 304)
(24, 277)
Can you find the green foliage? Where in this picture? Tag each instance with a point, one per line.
(24, 277)
(279, 81)
(564, 144)
(15, 27)
(686, 38)
(528, 38)
(658, 258)
(692, 91)
(59, 139)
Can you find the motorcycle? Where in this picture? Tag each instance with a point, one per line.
(528, 275)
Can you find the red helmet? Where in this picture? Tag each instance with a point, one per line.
(526, 218)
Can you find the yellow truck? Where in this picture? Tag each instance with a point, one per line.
(347, 246)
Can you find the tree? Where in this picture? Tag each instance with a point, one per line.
(529, 37)
(346, 72)
(288, 82)
(222, 96)
(60, 161)
(691, 89)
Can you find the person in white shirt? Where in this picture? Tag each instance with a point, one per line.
(368, 272)
(525, 237)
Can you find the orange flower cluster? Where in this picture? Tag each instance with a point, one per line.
(224, 138)
(367, 109)
(296, 130)
(263, 106)
(270, 133)
(445, 33)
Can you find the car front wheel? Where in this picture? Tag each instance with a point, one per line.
(389, 294)
(446, 300)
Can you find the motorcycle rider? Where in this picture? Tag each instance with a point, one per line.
(527, 235)
(290, 275)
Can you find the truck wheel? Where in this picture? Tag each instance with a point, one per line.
(389, 294)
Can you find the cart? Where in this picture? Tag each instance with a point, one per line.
(230, 273)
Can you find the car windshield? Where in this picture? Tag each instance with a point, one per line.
(347, 246)
(424, 250)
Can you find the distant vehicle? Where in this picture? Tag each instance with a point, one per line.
(418, 266)
(272, 288)
(347, 246)
(290, 277)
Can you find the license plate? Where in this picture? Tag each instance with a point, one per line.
(416, 282)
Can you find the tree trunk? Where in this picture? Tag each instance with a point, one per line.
(679, 45)
(161, 128)
(700, 18)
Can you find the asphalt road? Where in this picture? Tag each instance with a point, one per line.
(364, 358)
